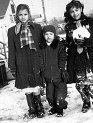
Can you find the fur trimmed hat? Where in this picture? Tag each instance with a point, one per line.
(49, 28)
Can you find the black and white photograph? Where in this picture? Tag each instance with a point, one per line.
(46, 61)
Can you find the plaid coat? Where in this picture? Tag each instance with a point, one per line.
(24, 61)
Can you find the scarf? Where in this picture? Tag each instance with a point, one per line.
(25, 35)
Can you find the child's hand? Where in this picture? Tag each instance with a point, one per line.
(65, 75)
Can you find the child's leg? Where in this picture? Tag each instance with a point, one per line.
(50, 97)
(84, 92)
(31, 105)
(60, 95)
(50, 93)
(86, 101)
(80, 67)
(38, 104)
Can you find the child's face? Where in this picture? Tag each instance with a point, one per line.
(23, 15)
(75, 13)
(49, 37)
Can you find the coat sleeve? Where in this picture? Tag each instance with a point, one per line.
(11, 50)
(40, 33)
(69, 39)
(62, 56)
(89, 41)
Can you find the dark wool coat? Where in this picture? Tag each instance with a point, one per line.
(54, 59)
(24, 61)
(77, 62)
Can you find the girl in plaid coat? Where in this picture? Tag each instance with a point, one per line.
(23, 43)
(79, 41)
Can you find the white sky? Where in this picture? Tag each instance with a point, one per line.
(53, 8)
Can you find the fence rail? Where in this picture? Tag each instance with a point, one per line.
(3, 49)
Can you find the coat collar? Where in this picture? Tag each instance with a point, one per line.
(53, 45)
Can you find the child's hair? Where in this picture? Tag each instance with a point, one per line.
(22, 7)
(73, 3)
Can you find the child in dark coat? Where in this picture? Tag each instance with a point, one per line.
(24, 60)
(54, 73)
(79, 39)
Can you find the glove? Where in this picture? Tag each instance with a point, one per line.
(64, 75)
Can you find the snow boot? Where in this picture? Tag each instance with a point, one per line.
(52, 110)
(86, 107)
(39, 107)
(31, 104)
(59, 112)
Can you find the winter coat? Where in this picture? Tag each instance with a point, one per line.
(54, 59)
(75, 60)
(24, 61)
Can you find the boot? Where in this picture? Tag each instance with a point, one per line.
(53, 108)
(86, 107)
(39, 106)
(31, 104)
(52, 111)
(59, 112)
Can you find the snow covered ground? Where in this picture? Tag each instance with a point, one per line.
(13, 106)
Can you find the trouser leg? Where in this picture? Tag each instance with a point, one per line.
(39, 106)
(50, 92)
(60, 95)
(84, 92)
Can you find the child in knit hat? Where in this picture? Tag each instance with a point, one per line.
(54, 73)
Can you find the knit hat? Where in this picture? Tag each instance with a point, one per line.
(49, 28)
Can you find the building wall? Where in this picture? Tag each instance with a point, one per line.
(6, 23)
